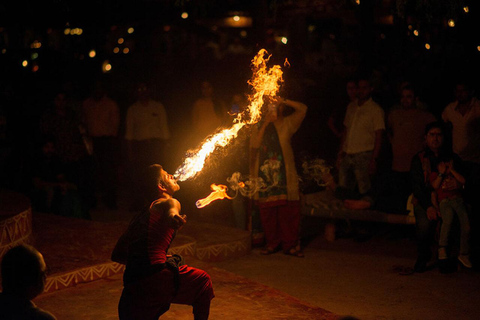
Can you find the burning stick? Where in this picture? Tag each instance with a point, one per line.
(265, 83)
(219, 192)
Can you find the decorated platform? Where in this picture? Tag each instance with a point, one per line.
(15, 220)
(78, 251)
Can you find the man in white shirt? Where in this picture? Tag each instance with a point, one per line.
(364, 126)
(146, 133)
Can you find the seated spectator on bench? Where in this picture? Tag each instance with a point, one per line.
(23, 278)
(424, 164)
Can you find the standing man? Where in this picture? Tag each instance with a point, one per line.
(146, 135)
(102, 120)
(361, 143)
(152, 279)
(272, 159)
(464, 117)
(406, 132)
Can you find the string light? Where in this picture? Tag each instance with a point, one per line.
(184, 15)
(130, 30)
(92, 53)
(284, 40)
(415, 32)
(427, 46)
(451, 23)
(120, 40)
(236, 18)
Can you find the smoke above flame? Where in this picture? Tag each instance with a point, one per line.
(265, 83)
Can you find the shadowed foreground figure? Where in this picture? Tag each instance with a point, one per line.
(23, 278)
(152, 279)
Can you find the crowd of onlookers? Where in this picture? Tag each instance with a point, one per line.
(433, 166)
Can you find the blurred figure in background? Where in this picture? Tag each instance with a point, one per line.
(208, 112)
(147, 135)
(102, 120)
(406, 132)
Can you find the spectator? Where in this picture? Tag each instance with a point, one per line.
(147, 135)
(426, 215)
(272, 159)
(335, 121)
(361, 143)
(23, 278)
(71, 145)
(52, 191)
(208, 112)
(406, 131)
(464, 116)
(450, 202)
(459, 113)
(102, 120)
(152, 279)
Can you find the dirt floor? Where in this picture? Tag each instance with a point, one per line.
(342, 277)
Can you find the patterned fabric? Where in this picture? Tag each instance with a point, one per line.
(272, 169)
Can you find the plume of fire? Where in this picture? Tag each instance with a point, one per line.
(265, 84)
(218, 192)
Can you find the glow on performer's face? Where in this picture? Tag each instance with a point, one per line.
(168, 183)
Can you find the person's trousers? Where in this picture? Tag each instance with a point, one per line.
(356, 164)
(150, 297)
(281, 224)
(425, 233)
(448, 208)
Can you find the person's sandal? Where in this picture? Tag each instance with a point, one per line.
(267, 251)
(294, 252)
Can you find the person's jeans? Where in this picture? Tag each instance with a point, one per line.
(356, 164)
(425, 233)
(448, 208)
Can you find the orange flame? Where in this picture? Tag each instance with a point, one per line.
(218, 192)
(265, 82)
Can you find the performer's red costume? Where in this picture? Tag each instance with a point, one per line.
(151, 284)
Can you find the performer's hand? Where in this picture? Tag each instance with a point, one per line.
(178, 221)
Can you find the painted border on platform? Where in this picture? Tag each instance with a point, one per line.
(16, 230)
(83, 275)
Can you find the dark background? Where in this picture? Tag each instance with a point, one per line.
(328, 42)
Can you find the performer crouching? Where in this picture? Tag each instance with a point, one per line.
(153, 280)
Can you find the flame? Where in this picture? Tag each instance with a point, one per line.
(218, 192)
(265, 83)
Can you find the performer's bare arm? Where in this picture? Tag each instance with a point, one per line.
(170, 209)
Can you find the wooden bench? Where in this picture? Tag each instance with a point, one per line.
(324, 204)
